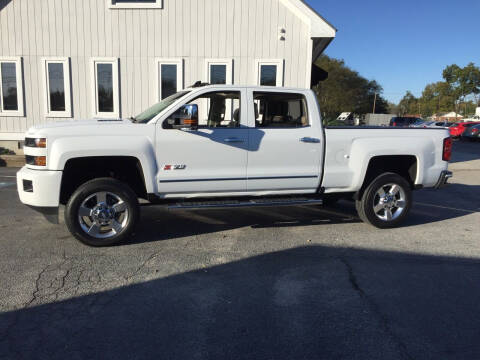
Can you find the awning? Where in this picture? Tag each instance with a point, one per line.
(318, 74)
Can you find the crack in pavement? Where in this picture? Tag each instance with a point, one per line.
(375, 308)
(67, 276)
(142, 266)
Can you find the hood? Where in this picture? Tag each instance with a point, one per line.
(64, 126)
(68, 123)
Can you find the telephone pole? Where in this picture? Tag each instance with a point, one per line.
(374, 102)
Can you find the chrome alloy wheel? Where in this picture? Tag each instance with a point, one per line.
(103, 215)
(389, 202)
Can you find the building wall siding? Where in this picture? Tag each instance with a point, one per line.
(195, 30)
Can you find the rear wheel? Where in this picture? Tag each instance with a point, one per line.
(386, 202)
(102, 212)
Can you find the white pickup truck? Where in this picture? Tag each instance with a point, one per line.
(224, 146)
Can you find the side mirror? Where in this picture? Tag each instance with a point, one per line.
(185, 118)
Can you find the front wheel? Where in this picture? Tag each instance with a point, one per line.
(102, 212)
(386, 202)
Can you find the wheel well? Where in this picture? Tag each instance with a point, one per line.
(403, 165)
(80, 170)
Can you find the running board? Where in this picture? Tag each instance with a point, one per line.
(260, 202)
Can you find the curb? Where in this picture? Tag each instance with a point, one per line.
(12, 160)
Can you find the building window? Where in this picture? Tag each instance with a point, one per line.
(269, 72)
(56, 75)
(11, 88)
(105, 79)
(135, 4)
(219, 71)
(170, 77)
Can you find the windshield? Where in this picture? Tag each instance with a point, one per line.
(156, 109)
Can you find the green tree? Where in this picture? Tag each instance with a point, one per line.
(409, 104)
(463, 81)
(346, 91)
(437, 98)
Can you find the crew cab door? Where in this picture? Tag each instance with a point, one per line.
(211, 160)
(286, 142)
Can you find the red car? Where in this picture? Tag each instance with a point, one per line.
(456, 130)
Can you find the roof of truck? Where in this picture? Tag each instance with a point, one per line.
(260, 88)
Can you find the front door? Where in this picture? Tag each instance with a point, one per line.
(285, 143)
(211, 160)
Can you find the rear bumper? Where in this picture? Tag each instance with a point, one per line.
(39, 188)
(443, 179)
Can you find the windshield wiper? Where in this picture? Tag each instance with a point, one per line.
(132, 119)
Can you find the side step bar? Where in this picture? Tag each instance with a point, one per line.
(260, 202)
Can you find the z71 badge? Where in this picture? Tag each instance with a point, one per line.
(174, 167)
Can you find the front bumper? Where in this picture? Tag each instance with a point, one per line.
(39, 188)
(443, 179)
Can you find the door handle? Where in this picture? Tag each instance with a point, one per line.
(233, 140)
(310, 140)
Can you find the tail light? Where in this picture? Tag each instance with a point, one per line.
(394, 123)
(474, 131)
(447, 149)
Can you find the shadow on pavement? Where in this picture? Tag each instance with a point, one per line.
(158, 224)
(456, 200)
(465, 151)
(304, 303)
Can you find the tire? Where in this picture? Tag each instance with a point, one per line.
(102, 212)
(390, 210)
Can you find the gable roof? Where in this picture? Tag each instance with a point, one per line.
(319, 27)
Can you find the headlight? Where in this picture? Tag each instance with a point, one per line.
(36, 142)
(36, 160)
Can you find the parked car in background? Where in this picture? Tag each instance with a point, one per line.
(440, 124)
(399, 121)
(474, 118)
(456, 130)
(347, 118)
(419, 124)
(471, 133)
(427, 124)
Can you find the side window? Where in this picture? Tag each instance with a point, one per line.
(280, 110)
(170, 77)
(11, 87)
(106, 88)
(56, 73)
(269, 72)
(220, 109)
(135, 4)
(219, 71)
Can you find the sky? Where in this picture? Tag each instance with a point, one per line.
(403, 44)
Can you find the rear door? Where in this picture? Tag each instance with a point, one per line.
(285, 142)
(211, 160)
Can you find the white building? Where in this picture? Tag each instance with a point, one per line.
(77, 59)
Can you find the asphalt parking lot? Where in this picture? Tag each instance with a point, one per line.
(281, 283)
